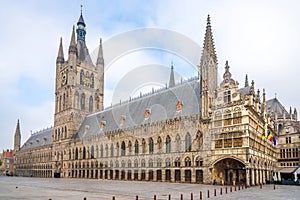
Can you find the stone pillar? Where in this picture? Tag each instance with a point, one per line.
(147, 175)
(256, 177)
(260, 176)
(193, 178)
(182, 173)
(264, 177)
(268, 175)
(139, 174)
(154, 175)
(172, 175)
(247, 177)
(163, 175)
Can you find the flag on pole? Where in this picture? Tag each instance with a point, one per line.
(270, 137)
(274, 141)
(263, 135)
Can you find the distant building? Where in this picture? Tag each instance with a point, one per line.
(207, 131)
(8, 162)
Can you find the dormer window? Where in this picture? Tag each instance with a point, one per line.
(227, 96)
(102, 124)
(122, 119)
(86, 129)
(147, 113)
(179, 106)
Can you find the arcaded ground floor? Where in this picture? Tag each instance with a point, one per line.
(29, 188)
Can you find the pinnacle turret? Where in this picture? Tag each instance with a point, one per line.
(252, 91)
(100, 59)
(172, 79)
(72, 47)
(60, 56)
(246, 81)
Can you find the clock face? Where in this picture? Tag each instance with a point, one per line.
(64, 79)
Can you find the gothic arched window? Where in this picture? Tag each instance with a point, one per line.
(92, 80)
(82, 101)
(168, 144)
(84, 153)
(151, 145)
(178, 142)
(123, 149)
(81, 77)
(188, 142)
(91, 104)
(92, 152)
(111, 150)
(136, 147)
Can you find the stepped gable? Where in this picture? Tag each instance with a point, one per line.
(162, 105)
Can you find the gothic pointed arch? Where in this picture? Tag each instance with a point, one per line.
(82, 101)
(91, 104)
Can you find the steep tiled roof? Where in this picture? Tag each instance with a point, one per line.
(276, 107)
(38, 139)
(162, 105)
(244, 90)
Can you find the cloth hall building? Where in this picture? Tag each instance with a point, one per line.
(197, 131)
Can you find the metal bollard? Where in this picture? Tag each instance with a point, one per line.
(192, 196)
(221, 191)
(215, 192)
(169, 197)
(200, 195)
(260, 186)
(226, 190)
(136, 197)
(207, 193)
(113, 198)
(181, 197)
(84, 198)
(154, 197)
(239, 187)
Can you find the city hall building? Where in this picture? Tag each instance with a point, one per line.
(195, 131)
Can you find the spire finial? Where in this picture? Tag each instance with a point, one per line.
(208, 20)
(252, 91)
(227, 74)
(100, 59)
(81, 8)
(246, 81)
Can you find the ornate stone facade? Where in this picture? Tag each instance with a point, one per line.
(207, 132)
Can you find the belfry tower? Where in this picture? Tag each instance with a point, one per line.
(79, 89)
(79, 84)
(208, 70)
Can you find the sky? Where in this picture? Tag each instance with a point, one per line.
(260, 38)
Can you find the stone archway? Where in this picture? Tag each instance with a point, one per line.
(229, 171)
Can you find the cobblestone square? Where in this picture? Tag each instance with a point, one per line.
(78, 189)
